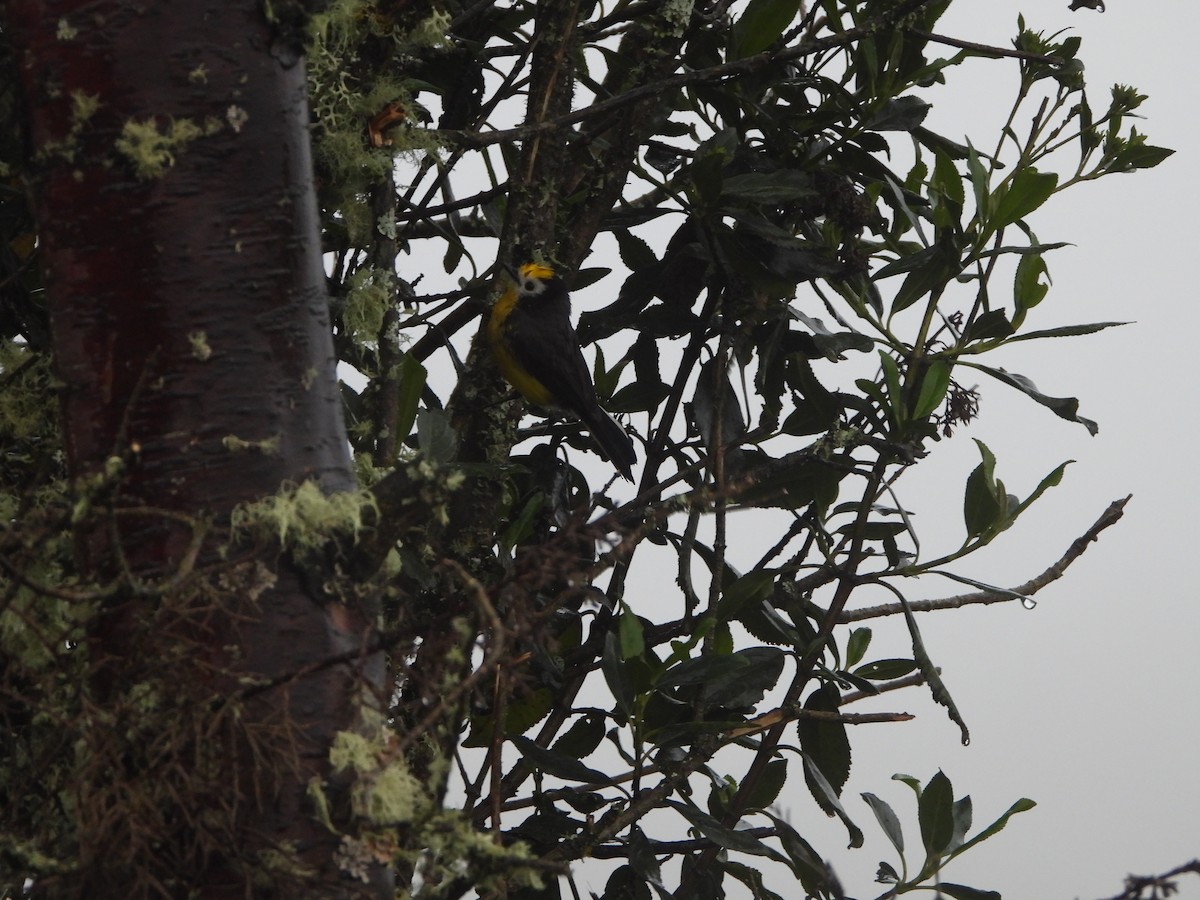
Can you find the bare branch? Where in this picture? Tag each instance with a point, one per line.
(1110, 517)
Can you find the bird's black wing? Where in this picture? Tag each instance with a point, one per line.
(544, 343)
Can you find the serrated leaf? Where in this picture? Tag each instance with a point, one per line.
(1063, 407)
(829, 802)
(768, 786)
(888, 820)
(1142, 156)
(583, 737)
(947, 180)
(825, 744)
(1066, 331)
(635, 252)
(763, 666)
(750, 587)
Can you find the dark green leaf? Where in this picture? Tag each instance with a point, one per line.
(629, 629)
(751, 877)
(412, 381)
(979, 183)
(1068, 331)
(1063, 407)
(886, 669)
(714, 389)
(521, 527)
(1141, 156)
(815, 876)
(983, 510)
(992, 324)
(583, 737)
(941, 268)
(768, 786)
(856, 646)
(557, 764)
(728, 838)
(962, 892)
(753, 586)
(785, 186)
(1028, 190)
(1028, 289)
(935, 812)
(763, 666)
(616, 674)
(763, 23)
(644, 862)
(947, 180)
(825, 744)
(635, 252)
(902, 114)
(934, 385)
(704, 670)
(626, 884)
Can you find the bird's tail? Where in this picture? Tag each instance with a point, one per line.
(614, 443)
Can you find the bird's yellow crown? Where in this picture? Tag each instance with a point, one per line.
(536, 270)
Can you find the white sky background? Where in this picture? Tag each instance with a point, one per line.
(1087, 704)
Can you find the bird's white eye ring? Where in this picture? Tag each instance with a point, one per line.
(530, 284)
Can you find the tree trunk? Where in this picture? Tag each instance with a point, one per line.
(177, 220)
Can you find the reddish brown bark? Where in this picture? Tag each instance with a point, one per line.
(192, 336)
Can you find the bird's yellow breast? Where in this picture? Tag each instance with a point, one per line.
(510, 366)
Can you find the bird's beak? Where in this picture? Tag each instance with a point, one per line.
(512, 272)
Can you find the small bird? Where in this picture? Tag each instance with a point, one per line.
(538, 353)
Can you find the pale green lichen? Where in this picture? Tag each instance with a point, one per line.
(236, 117)
(198, 75)
(200, 347)
(431, 31)
(66, 31)
(269, 446)
(83, 107)
(370, 297)
(153, 151)
(303, 516)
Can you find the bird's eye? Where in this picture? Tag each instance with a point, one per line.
(530, 284)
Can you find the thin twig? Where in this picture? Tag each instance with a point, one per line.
(1115, 510)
